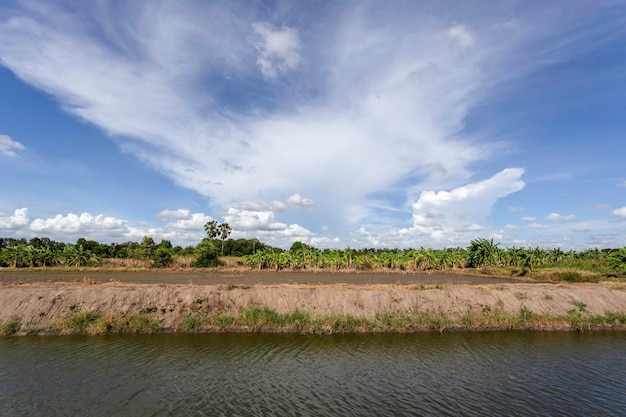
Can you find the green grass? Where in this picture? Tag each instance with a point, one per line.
(12, 326)
(256, 318)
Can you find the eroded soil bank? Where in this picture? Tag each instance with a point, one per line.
(100, 308)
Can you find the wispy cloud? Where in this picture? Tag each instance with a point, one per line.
(8, 146)
(556, 217)
(248, 105)
(279, 48)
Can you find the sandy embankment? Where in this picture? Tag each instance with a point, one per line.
(41, 306)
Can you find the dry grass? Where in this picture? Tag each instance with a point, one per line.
(125, 263)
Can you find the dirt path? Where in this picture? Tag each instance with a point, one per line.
(200, 277)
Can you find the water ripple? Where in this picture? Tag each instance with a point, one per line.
(452, 374)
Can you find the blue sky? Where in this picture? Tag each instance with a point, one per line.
(340, 124)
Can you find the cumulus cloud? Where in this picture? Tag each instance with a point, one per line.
(193, 222)
(8, 146)
(253, 220)
(80, 224)
(529, 219)
(447, 216)
(278, 48)
(178, 214)
(555, 217)
(621, 212)
(299, 202)
(14, 221)
(181, 226)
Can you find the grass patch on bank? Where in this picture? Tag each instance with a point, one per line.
(11, 326)
(256, 318)
(94, 323)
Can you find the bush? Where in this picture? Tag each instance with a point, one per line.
(12, 326)
(207, 255)
(162, 258)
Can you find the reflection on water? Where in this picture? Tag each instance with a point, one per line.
(293, 375)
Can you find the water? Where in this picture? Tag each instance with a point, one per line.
(500, 373)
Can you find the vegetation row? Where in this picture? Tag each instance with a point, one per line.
(255, 318)
(216, 248)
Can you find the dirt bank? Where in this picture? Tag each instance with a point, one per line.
(101, 308)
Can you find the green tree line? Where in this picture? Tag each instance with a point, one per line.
(45, 252)
(481, 253)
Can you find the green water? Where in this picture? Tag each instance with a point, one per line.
(499, 373)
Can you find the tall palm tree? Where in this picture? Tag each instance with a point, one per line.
(224, 231)
(211, 229)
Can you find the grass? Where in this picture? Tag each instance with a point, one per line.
(12, 326)
(574, 276)
(256, 318)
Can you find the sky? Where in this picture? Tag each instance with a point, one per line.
(336, 123)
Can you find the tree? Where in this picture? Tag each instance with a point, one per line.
(206, 254)
(224, 231)
(211, 229)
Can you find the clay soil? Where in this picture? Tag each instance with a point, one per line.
(42, 298)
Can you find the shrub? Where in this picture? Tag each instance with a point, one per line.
(207, 255)
(162, 258)
(191, 323)
(12, 326)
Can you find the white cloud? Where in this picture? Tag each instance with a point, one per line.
(14, 221)
(195, 222)
(252, 220)
(278, 48)
(514, 209)
(376, 103)
(512, 226)
(555, 217)
(182, 227)
(299, 202)
(447, 216)
(620, 211)
(622, 184)
(278, 206)
(370, 108)
(8, 146)
(83, 224)
(461, 35)
(178, 214)
(529, 219)
(537, 226)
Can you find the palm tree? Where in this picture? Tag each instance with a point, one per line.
(211, 229)
(224, 231)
